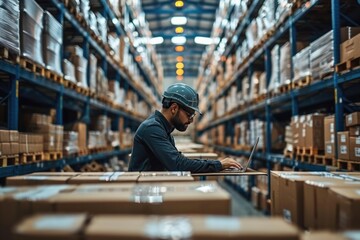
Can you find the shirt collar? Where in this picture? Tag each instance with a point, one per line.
(165, 122)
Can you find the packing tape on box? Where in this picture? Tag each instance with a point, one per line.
(148, 194)
(169, 228)
(58, 222)
(229, 224)
(40, 193)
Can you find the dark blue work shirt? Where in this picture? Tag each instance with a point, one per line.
(154, 150)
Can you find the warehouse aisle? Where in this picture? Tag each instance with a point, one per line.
(240, 206)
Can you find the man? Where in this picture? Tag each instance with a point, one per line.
(154, 147)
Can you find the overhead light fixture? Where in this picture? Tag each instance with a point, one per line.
(179, 78)
(179, 20)
(179, 30)
(179, 65)
(179, 4)
(179, 48)
(178, 40)
(156, 40)
(203, 40)
(179, 72)
(179, 58)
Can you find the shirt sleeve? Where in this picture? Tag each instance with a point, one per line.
(159, 143)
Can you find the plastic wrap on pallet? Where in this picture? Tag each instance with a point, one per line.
(114, 43)
(9, 25)
(96, 139)
(31, 30)
(251, 34)
(69, 71)
(84, 9)
(101, 82)
(102, 26)
(76, 57)
(255, 85)
(275, 70)
(93, 23)
(301, 63)
(70, 143)
(283, 10)
(52, 44)
(93, 69)
(285, 66)
(262, 84)
(245, 88)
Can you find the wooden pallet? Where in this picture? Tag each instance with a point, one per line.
(54, 76)
(9, 160)
(70, 84)
(301, 82)
(285, 88)
(97, 150)
(308, 158)
(327, 75)
(82, 90)
(348, 165)
(8, 55)
(52, 155)
(31, 66)
(31, 157)
(348, 65)
(308, 151)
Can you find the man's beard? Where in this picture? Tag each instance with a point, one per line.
(178, 125)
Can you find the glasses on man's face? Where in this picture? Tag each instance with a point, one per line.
(188, 114)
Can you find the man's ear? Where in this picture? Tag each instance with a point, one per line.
(174, 108)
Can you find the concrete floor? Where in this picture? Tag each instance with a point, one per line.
(240, 206)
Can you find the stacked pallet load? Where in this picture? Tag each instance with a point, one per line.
(31, 28)
(9, 29)
(52, 46)
(349, 55)
(52, 134)
(76, 56)
(349, 143)
(9, 148)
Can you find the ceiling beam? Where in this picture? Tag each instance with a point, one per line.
(174, 11)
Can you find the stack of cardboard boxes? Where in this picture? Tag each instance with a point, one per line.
(316, 200)
(349, 141)
(9, 142)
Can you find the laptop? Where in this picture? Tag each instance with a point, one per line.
(245, 168)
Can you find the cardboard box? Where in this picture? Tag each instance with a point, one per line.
(5, 149)
(4, 136)
(275, 188)
(14, 148)
(347, 207)
(354, 131)
(352, 119)
(117, 177)
(188, 227)
(81, 128)
(255, 197)
(314, 131)
(350, 49)
(354, 149)
(14, 136)
(291, 202)
(34, 180)
(302, 131)
(316, 201)
(343, 145)
(52, 226)
(323, 235)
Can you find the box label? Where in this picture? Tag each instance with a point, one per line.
(169, 228)
(55, 223)
(343, 138)
(222, 224)
(331, 127)
(343, 149)
(357, 152)
(328, 149)
(349, 118)
(357, 140)
(287, 215)
(332, 138)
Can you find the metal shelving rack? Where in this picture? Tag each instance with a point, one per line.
(328, 91)
(24, 84)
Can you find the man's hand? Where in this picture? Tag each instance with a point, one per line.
(229, 162)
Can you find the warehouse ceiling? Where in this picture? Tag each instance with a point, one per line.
(200, 15)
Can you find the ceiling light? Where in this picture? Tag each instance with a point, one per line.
(179, 78)
(178, 40)
(179, 65)
(203, 40)
(179, 72)
(178, 20)
(179, 30)
(156, 40)
(179, 58)
(179, 48)
(179, 4)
